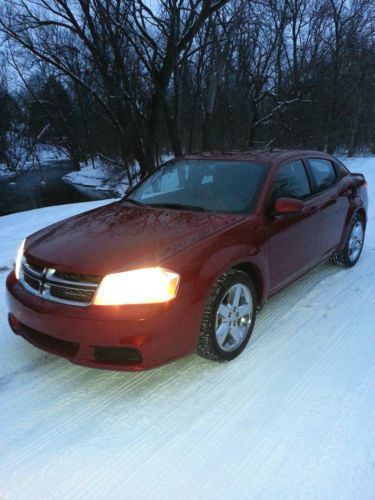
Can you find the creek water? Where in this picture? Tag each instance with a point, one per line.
(26, 191)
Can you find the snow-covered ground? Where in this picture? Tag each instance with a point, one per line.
(292, 417)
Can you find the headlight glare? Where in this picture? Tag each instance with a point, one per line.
(19, 260)
(141, 286)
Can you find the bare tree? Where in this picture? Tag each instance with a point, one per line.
(140, 79)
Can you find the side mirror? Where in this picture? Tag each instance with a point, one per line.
(285, 206)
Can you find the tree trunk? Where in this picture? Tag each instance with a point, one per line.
(355, 127)
(253, 121)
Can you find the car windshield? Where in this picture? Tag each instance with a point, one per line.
(207, 185)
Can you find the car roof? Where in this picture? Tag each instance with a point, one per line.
(255, 155)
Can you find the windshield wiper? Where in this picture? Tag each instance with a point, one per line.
(135, 202)
(178, 206)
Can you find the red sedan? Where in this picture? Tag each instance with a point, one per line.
(184, 262)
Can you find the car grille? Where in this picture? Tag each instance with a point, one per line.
(59, 286)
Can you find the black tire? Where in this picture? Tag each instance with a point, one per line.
(208, 346)
(345, 258)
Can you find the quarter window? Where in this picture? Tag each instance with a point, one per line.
(323, 173)
(291, 182)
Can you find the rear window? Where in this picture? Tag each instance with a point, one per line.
(323, 173)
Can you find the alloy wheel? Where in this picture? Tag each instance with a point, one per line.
(355, 241)
(233, 317)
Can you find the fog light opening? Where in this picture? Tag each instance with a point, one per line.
(118, 355)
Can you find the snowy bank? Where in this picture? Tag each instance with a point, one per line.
(103, 176)
(292, 417)
(44, 154)
(99, 175)
(4, 172)
(48, 153)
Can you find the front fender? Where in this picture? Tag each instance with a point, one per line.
(203, 263)
(246, 258)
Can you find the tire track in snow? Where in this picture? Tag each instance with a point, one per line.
(65, 425)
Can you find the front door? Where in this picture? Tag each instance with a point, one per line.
(293, 240)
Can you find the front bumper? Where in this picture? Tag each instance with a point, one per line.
(132, 337)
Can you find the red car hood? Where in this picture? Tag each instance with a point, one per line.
(116, 238)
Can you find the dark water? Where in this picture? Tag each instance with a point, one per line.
(25, 191)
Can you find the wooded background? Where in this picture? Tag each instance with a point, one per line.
(133, 80)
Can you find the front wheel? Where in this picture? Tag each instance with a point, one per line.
(354, 244)
(229, 317)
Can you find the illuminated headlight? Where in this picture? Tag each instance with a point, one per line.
(19, 260)
(142, 286)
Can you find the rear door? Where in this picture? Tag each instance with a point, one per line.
(293, 240)
(333, 199)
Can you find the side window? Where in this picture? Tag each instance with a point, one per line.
(291, 182)
(323, 173)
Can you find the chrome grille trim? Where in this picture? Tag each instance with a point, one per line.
(46, 282)
(28, 269)
(71, 284)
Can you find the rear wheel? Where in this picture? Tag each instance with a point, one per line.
(354, 244)
(229, 317)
